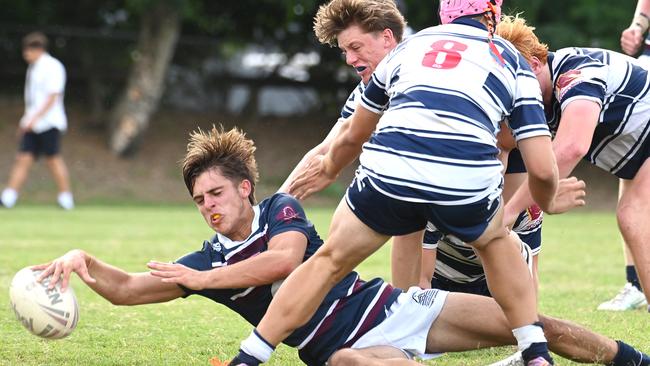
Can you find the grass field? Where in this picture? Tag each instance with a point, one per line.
(581, 265)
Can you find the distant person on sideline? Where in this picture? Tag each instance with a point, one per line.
(43, 122)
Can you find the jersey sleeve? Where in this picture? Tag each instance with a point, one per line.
(581, 78)
(351, 103)
(527, 117)
(200, 260)
(375, 98)
(55, 81)
(286, 214)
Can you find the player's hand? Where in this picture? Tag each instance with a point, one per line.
(313, 179)
(62, 267)
(179, 274)
(570, 194)
(631, 40)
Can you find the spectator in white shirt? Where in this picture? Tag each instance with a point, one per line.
(40, 128)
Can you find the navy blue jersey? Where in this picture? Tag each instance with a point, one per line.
(349, 310)
(620, 85)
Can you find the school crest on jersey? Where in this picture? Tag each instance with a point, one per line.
(567, 81)
(287, 214)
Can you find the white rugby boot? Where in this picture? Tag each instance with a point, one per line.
(629, 298)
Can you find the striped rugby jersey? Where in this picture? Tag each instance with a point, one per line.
(349, 310)
(457, 262)
(352, 101)
(442, 96)
(620, 85)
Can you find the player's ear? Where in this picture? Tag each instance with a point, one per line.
(389, 38)
(536, 65)
(245, 188)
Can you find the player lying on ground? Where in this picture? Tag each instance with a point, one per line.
(256, 246)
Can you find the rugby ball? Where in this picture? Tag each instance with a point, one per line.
(47, 313)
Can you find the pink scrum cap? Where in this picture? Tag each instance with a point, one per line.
(452, 9)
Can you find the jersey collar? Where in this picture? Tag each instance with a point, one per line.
(255, 225)
(469, 21)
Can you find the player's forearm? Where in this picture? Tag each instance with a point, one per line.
(542, 190)
(111, 282)
(301, 167)
(642, 11)
(262, 269)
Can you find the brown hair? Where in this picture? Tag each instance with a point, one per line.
(370, 15)
(230, 152)
(521, 35)
(35, 40)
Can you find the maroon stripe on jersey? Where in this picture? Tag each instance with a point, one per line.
(253, 249)
(376, 312)
(327, 324)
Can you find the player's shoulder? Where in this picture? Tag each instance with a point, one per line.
(283, 203)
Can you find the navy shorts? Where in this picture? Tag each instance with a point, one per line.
(515, 162)
(629, 170)
(46, 143)
(479, 287)
(393, 217)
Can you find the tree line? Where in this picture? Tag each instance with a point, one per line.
(121, 50)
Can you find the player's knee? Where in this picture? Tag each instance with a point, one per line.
(625, 214)
(333, 262)
(346, 357)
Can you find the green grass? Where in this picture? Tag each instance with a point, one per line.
(581, 265)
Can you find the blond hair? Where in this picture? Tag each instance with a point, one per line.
(370, 15)
(229, 151)
(521, 35)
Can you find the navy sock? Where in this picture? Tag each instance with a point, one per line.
(628, 356)
(536, 350)
(632, 277)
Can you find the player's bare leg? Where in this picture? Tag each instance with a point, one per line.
(459, 327)
(511, 285)
(632, 214)
(405, 260)
(371, 356)
(350, 242)
(506, 272)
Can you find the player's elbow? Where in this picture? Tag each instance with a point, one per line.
(284, 268)
(571, 153)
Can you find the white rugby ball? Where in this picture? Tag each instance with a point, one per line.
(47, 313)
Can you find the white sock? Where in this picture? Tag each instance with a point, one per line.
(528, 335)
(9, 197)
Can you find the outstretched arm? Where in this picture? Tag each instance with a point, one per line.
(571, 143)
(320, 149)
(323, 170)
(110, 282)
(284, 254)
